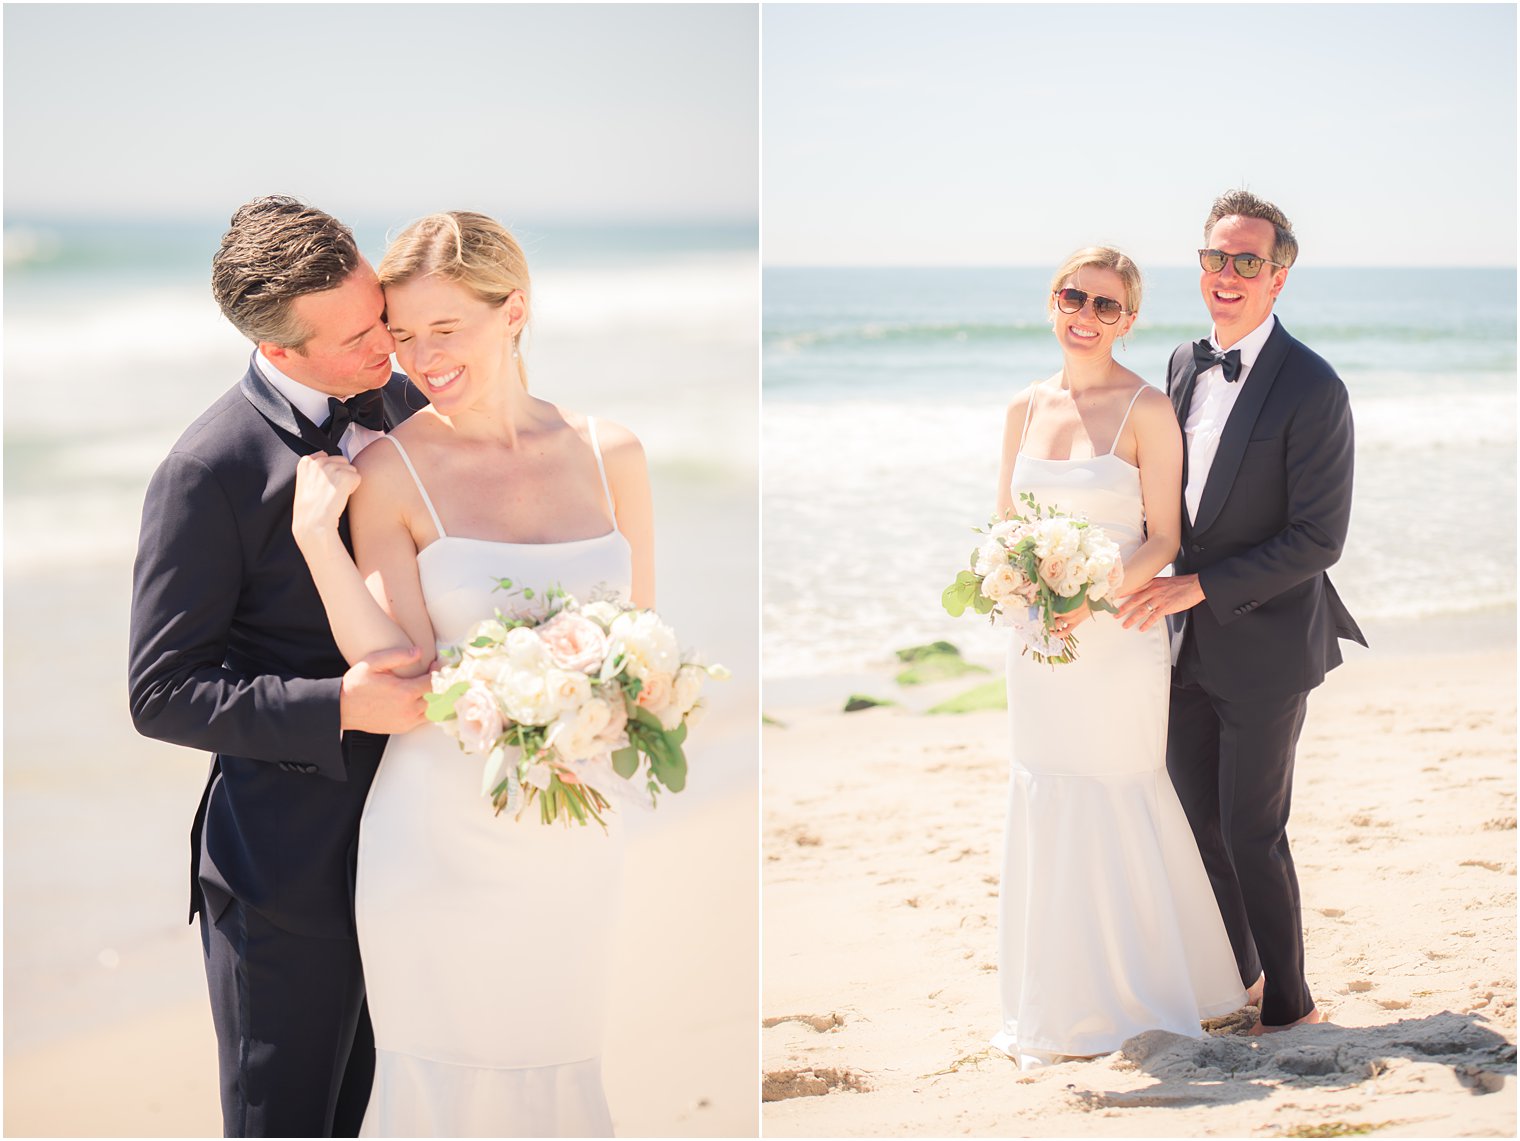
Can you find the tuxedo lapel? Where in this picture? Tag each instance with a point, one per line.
(285, 416)
(1180, 390)
(281, 413)
(1237, 430)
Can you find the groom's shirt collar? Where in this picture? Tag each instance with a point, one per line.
(1250, 345)
(313, 405)
(308, 401)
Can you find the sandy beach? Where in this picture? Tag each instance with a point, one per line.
(882, 838)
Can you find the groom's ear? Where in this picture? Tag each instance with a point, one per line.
(273, 353)
(1279, 279)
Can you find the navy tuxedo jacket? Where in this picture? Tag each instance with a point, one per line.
(231, 652)
(1272, 519)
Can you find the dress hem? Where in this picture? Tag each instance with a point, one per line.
(379, 1050)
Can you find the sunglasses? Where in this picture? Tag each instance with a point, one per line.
(1105, 309)
(1247, 265)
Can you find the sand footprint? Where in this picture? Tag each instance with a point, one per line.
(819, 1022)
(1489, 865)
(782, 1085)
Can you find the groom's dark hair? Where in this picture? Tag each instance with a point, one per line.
(1244, 204)
(276, 249)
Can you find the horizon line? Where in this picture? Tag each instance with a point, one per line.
(1511, 266)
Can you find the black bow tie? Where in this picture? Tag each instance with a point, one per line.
(1206, 356)
(367, 410)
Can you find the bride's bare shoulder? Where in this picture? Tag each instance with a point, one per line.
(1018, 407)
(616, 442)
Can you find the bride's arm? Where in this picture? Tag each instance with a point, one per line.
(1013, 428)
(628, 477)
(382, 607)
(1158, 455)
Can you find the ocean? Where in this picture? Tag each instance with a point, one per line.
(884, 392)
(112, 347)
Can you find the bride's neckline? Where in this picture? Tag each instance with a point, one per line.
(510, 543)
(1079, 460)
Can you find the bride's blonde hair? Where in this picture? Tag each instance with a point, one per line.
(1100, 257)
(469, 249)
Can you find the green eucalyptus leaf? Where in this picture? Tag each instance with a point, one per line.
(440, 706)
(625, 762)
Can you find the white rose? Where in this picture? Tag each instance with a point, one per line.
(1056, 538)
(688, 687)
(648, 645)
(567, 691)
(1001, 583)
(576, 735)
(656, 692)
(989, 556)
(1070, 585)
(525, 648)
(525, 697)
(479, 719)
(576, 642)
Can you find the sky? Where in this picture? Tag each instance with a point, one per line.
(597, 112)
(1011, 134)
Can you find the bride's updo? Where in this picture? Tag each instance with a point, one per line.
(468, 249)
(1099, 257)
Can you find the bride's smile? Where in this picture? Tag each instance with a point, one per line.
(456, 345)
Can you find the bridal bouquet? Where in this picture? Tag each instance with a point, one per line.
(1033, 567)
(571, 705)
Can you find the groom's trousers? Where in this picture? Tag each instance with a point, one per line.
(1231, 763)
(294, 1042)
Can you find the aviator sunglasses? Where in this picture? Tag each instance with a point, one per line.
(1106, 309)
(1247, 265)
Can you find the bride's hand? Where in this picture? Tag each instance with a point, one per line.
(323, 485)
(1063, 624)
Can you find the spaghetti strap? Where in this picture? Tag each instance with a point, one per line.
(1028, 411)
(601, 469)
(426, 502)
(1120, 433)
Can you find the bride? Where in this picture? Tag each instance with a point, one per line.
(1107, 924)
(485, 940)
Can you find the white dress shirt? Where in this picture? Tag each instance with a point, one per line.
(1213, 400)
(313, 405)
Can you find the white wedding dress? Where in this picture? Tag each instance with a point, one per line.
(1107, 923)
(485, 940)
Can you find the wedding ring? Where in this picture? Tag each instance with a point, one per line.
(1149, 608)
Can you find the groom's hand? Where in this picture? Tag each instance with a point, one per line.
(1168, 594)
(375, 700)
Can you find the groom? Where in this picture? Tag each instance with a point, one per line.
(1266, 503)
(231, 652)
